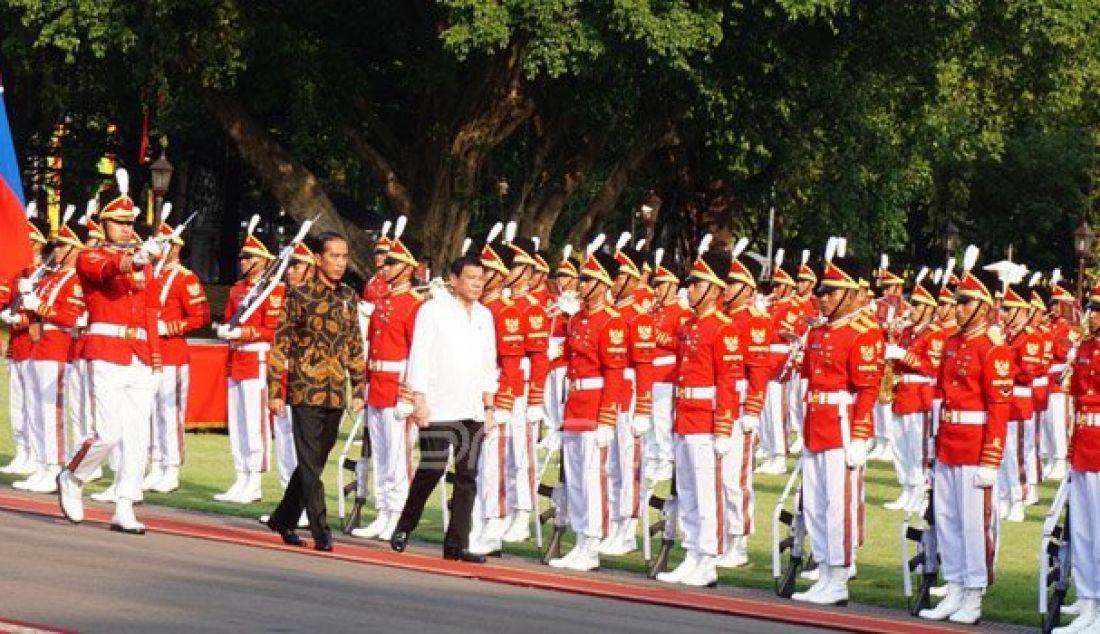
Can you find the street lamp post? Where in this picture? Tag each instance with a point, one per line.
(162, 179)
(647, 214)
(950, 238)
(1083, 237)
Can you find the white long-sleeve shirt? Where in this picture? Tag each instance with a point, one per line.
(452, 360)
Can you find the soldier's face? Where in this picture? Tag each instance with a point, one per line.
(251, 265)
(966, 311)
(379, 259)
(1094, 319)
(118, 232)
(697, 292)
(298, 272)
(805, 287)
(834, 300)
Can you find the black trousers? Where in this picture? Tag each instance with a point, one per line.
(315, 430)
(435, 441)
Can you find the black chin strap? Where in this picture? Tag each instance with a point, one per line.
(710, 287)
(839, 304)
(966, 326)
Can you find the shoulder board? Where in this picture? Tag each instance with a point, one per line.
(611, 311)
(416, 294)
(756, 311)
(860, 325)
(184, 270)
(722, 317)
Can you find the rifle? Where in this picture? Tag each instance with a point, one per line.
(360, 468)
(666, 527)
(785, 579)
(927, 559)
(271, 277)
(558, 511)
(177, 232)
(1055, 559)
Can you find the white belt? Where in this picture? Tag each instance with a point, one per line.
(668, 359)
(253, 346)
(117, 330)
(396, 367)
(780, 348)
(916, 378)
(828, 398)
(49, 327)
(1057, 368)
(696, 393)
(959, 417)
(579, 385)
(1042, 381)
(1088, 420)
(1021, 390)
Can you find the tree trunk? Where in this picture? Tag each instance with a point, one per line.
(293, 185)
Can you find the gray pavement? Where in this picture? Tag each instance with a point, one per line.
(91, 580)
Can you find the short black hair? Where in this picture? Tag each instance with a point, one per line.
(325, 238)
(460, 263)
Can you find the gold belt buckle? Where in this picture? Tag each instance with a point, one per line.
(680, 392)
(130, 332)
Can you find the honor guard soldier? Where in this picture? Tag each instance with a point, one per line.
(183, 310)
(539, 286)
(709, 358)
(977, 379)
(389, 401)
(669, 315)
(377, 287)
(785, 312)
(806, 279)
(79, 388)
(597, 351)
(249, 344)
(945, 317)
(842, 361)
(1065, 331)
(20, 396)
(635, 401)
(563, 305)
(916, 358)
(1084, 485)
(124, 348)
(891, 312)
(1040, 386)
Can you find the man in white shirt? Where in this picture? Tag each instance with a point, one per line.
(453, 376)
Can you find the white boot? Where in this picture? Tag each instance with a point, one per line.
(1016, 512)
(233, 491)
(70, 493)
(31, 481)
(796, 445)
(156, 472)
(610, 544)
(951, 603)
(736, 554)
(1057, 470)
(374, 529)
(588, 558)
(1032, 497)
(169, 481)
(124, 521)
(1003, 507)
(1073, 609)
(628, 537)
(251, 491)
(970, 612)
(835, 590)
(48, 482)
(823, 577)
(677, 574)
(494, 529)
(703, 575)
(1086, 617)
(519, 530)
(902, 502)
(97, 473)
(18, 462)
(391, 525)
(108, 495)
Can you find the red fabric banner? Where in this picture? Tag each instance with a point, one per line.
(206, 397)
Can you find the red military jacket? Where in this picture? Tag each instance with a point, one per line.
(62, 305)
(668, 319)
(536, 329)
(596, 352)
(754, 328)
(390, 337)
(642, 335)
(1040, 387)
(977, 378)
(709, 363)
(120, 297)
(788, 322)
(542, 294)
(559, 330)
(511, 349)
(1027, 349)
(375, 288)
(842, 363)
(1084, 444)
(183, 309)
(1064, 337)
(257, 332)
(918, 370)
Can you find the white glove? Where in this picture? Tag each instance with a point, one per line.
(25, 286)
(82, 320)
(640, 425)
(856, 453)
(569, 303)
(402, 410)
(604, 434)
(8, 318)
(750, 423)
(985, 478)
(502, 416)
(536, 414)
(723, 444)
(894, 352)
(148, 252)
(554, 351)
(227, 333)
(31, 302)
(366, 309)
(162, 328)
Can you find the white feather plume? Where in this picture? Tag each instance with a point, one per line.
(510, 231)
(970, 258)
(253, 222)
(566, 251)
(883, 263)
(639, 244)
(90, 208)
(704, 244)
(165, 211)
(805, 257)
(123, 179)
(596, 243)
(949, 269)
(658, 255)
(921, 274)
(1055, 277)
(399, 227)
(494, 232)
(937, 275)
(624, 239)
(535, 240)
(739, 248)
(779, 255)
(70, 209)
(842, 247)
(32, 209)
(1035, 277)
(385, 228)
(830, 248)
(466, 245)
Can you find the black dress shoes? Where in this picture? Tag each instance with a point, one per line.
(323, 543)
(290, 538)
(399, 541)
(462, 555)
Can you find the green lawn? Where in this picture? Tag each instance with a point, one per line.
(209, 470)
